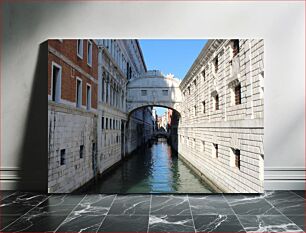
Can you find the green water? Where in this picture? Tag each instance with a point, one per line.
(151, 169)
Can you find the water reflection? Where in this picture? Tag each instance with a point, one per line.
(151, 169)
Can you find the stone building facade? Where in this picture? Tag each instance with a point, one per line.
(221, 128)
(89, 126)
(72, 113)
(119, 133)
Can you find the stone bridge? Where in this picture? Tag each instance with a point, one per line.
(153, 89)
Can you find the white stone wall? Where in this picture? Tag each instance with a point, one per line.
(116, 142)
(69, 128)
(232, 126)
(139, 129)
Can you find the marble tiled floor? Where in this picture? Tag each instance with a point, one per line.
(274, 211)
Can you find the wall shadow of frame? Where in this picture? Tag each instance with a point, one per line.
(33, 162)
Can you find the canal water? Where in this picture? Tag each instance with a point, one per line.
(151, 169)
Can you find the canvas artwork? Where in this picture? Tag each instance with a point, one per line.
(155, 116)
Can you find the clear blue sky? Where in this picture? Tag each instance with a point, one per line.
(170, 56)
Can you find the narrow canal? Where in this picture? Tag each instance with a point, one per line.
(151, 169)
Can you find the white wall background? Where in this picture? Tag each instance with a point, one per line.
(23, 86)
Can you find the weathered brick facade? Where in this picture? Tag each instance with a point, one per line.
(214, 125)
(72, 130)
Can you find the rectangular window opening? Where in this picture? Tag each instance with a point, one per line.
(80, 48)
(88, 97)
(56, 83)
(89, 53)
(143, 92)
(217, 102)
(165, 92)
(238, 94)
(63, 157)
(81, 151)
(79, 93)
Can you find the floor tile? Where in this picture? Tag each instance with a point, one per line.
(81, 223)
(170, 205)
(130, 204)
(20, 203)
(250, 205)
(95, 204)
(209, 205)
(274, 223)
(299, 220)
(36, 223)
(7, 220)
(164, 223)
(60, 199)
(5, 194)
(286, 202)
(301, 193)
(217, 223)
(127, 223)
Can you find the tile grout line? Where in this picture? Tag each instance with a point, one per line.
(8, 196)
(191, 214)
(25, 213)
(107, 212)
(283, 214)
(234, 213)
(149, 213)
(69, 213)
(297, 194)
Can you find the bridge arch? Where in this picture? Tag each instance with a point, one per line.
(154, 89)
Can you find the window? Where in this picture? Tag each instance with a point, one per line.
(78, 93)
(204, 107)
(81, 151)
(88, 97)
(235, 46)
(235, 158)
(114, 126)
(203, 146)
(56, 82)
(80, 48)
(203, 75)
(188, 90)
(127, 70)
(143, 92)
(238, 94)
(195, 83)
(63, 157)
(216, 102)
(215, 62)
(215, 150)
(103, 89)
(89, 52)
(106, 123)
(165, 92)
(110, 123)
(195, 110)
(102, 123)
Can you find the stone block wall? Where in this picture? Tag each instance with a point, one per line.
(234, 127)
(69, 129)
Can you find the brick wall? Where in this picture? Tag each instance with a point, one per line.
(65, 55)
(70, 127)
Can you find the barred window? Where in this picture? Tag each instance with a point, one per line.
(217, 102)
(238, 94)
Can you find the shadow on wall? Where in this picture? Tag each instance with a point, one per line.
(34, 150)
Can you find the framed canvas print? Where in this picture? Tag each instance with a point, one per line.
(120, 121)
